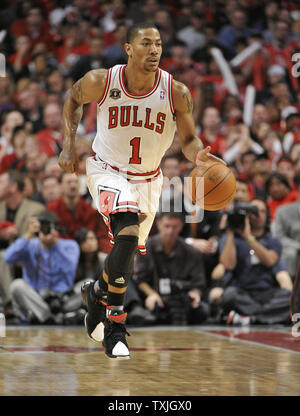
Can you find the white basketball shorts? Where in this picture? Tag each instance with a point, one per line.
(114, 191)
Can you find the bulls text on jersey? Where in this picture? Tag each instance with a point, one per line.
(129, 115)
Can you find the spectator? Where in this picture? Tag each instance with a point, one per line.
(75, 213)
(16, 159)
(52, 168)
(49, 265)
(291, 117)
(10, 120)
(251, 255)
(279, 191)
(50, 191)
(21, 58)
(15, 212)
(30, 187)
(286, 228)
(34, 26)
(211, 131)
(228, 36)
(238, 141)
(286, 167)
(115, 53)
(95, 59)
(262, 171)
(75, 45)
(192, 35)
(29, 103)
(50, 138)
(171, 276)
(242, 191)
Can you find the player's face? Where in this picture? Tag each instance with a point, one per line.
(145, 49)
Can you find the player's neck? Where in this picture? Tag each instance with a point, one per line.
(136, 81)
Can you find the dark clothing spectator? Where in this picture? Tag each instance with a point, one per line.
(172, 277)
(254, 291)
(286, 228)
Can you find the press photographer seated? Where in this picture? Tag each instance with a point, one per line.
(171, 275)
(251, 254)
(49, 265)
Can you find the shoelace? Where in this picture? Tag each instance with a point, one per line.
(117, 332)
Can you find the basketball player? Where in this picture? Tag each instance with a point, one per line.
(139, 107)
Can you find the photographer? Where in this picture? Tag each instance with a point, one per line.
(251, 254)
(171, 276)
(49, 265)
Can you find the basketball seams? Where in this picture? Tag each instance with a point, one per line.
(219, 183)
(220, 202)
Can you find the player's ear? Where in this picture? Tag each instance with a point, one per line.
(128, 49)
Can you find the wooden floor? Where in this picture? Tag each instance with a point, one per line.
(165, 361)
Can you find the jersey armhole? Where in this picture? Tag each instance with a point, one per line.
(170, 94)
(106, 88)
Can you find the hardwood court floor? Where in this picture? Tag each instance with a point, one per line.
(165, 361)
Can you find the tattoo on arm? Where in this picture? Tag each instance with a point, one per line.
(189, 101)
(77, 91)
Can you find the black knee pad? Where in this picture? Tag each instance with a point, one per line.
(121, 220)
(119, 262)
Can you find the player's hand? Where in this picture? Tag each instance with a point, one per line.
(203, 156)
(68, 161)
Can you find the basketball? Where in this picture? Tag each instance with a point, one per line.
(212, 186)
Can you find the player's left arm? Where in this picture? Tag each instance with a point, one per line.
(192, 146)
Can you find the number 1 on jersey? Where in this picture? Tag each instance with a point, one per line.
(135, 158)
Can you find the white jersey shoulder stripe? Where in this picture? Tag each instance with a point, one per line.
(106, 88)
(137, 96)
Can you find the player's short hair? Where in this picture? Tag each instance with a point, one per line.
(133, 30)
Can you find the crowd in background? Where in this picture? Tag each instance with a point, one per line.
(194, 270)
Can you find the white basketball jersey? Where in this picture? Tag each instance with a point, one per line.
(134, 131)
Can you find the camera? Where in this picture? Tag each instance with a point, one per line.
(237, 214)
(177, 303)
(46, 226)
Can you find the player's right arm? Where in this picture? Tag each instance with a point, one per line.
(87, 89)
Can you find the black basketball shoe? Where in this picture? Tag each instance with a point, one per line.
(96, 314)
(114, 341)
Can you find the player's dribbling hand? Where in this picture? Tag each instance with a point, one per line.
(68, 161)
(204, 156)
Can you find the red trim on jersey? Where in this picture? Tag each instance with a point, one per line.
(135, 181)
(107, 84)
(97, 158)
(170, 94)
(137, 96)
(127, 203)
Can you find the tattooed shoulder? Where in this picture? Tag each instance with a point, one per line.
(188, 100)
(182, 97)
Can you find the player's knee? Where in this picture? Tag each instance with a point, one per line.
(125, 223)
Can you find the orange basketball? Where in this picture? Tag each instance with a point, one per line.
(212, 185)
